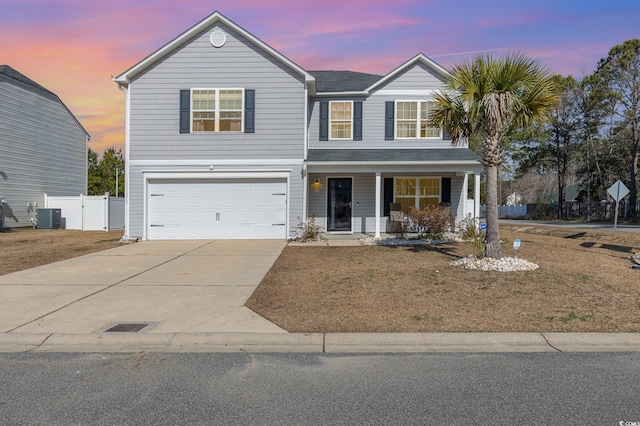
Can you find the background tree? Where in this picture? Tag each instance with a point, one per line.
(552, 146)
(494, 97)
(102, 172)
(619, 75)
(94, 181)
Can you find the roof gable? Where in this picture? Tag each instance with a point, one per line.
(19, 79)
(195, 31)
(419, 59)
(13, 74)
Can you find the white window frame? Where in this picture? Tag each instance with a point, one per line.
(417, 120)
(217, 110)
(350, 121)
(417, 195)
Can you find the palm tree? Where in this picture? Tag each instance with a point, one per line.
(493, 97)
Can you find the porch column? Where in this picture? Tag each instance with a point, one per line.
(476, 198)
(465, 195)
(378, 204)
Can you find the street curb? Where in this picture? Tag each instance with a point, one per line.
(594, 342)
(436, 342)
(338, 343)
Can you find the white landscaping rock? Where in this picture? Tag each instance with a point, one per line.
(506, 264)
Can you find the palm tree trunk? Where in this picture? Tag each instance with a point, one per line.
(493, 233)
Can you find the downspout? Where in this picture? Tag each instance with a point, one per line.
(127, 174)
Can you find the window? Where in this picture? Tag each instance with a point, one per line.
(412, 120)
(216, 110)
(417, 192)
(340, 118)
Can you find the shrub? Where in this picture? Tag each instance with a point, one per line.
(430, 222)
(308, 230)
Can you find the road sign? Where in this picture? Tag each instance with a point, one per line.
(618, 191)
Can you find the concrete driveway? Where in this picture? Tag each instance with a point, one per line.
(173, 286)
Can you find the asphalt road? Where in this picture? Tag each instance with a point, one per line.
(301, 389)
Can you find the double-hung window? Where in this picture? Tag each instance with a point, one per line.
(216, 110)
(340, 120)
(417, 192)
(341, 115)
(412, 120)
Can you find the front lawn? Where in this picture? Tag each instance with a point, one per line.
(585, 283)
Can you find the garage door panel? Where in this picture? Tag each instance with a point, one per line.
(210, 209)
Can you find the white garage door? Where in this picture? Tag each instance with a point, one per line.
(217, 209)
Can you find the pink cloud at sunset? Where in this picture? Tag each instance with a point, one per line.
(74, 47)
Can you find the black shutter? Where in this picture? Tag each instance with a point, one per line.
(388, 196)
(446, 190)
(357, 121)
(185, 111)
(324, 121)
(249, 111)
(389, 120)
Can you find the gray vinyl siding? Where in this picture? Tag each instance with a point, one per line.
(373, 122)
(43, 149)
(137, 203)
(364, 185)
(418, 78)
(155, 97)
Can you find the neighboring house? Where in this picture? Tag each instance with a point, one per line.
(43, 148)
(514, 199)
(227, 138)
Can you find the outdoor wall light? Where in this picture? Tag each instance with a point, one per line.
(316, 182)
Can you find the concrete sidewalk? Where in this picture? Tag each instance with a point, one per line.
(173, 286)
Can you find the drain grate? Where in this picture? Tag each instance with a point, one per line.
(127, 328)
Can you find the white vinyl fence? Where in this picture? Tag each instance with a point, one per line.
(89, 213)
(507, 212)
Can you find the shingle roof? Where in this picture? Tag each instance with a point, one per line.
(392, 155)
(343, 81)
(15, 75)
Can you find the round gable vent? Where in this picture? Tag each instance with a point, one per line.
(218, 38)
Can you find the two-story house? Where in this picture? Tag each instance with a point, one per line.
(43, 148)
(227, 138)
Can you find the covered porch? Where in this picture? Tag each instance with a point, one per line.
(350, 191)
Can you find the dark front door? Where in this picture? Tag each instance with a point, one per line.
(339, 204)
